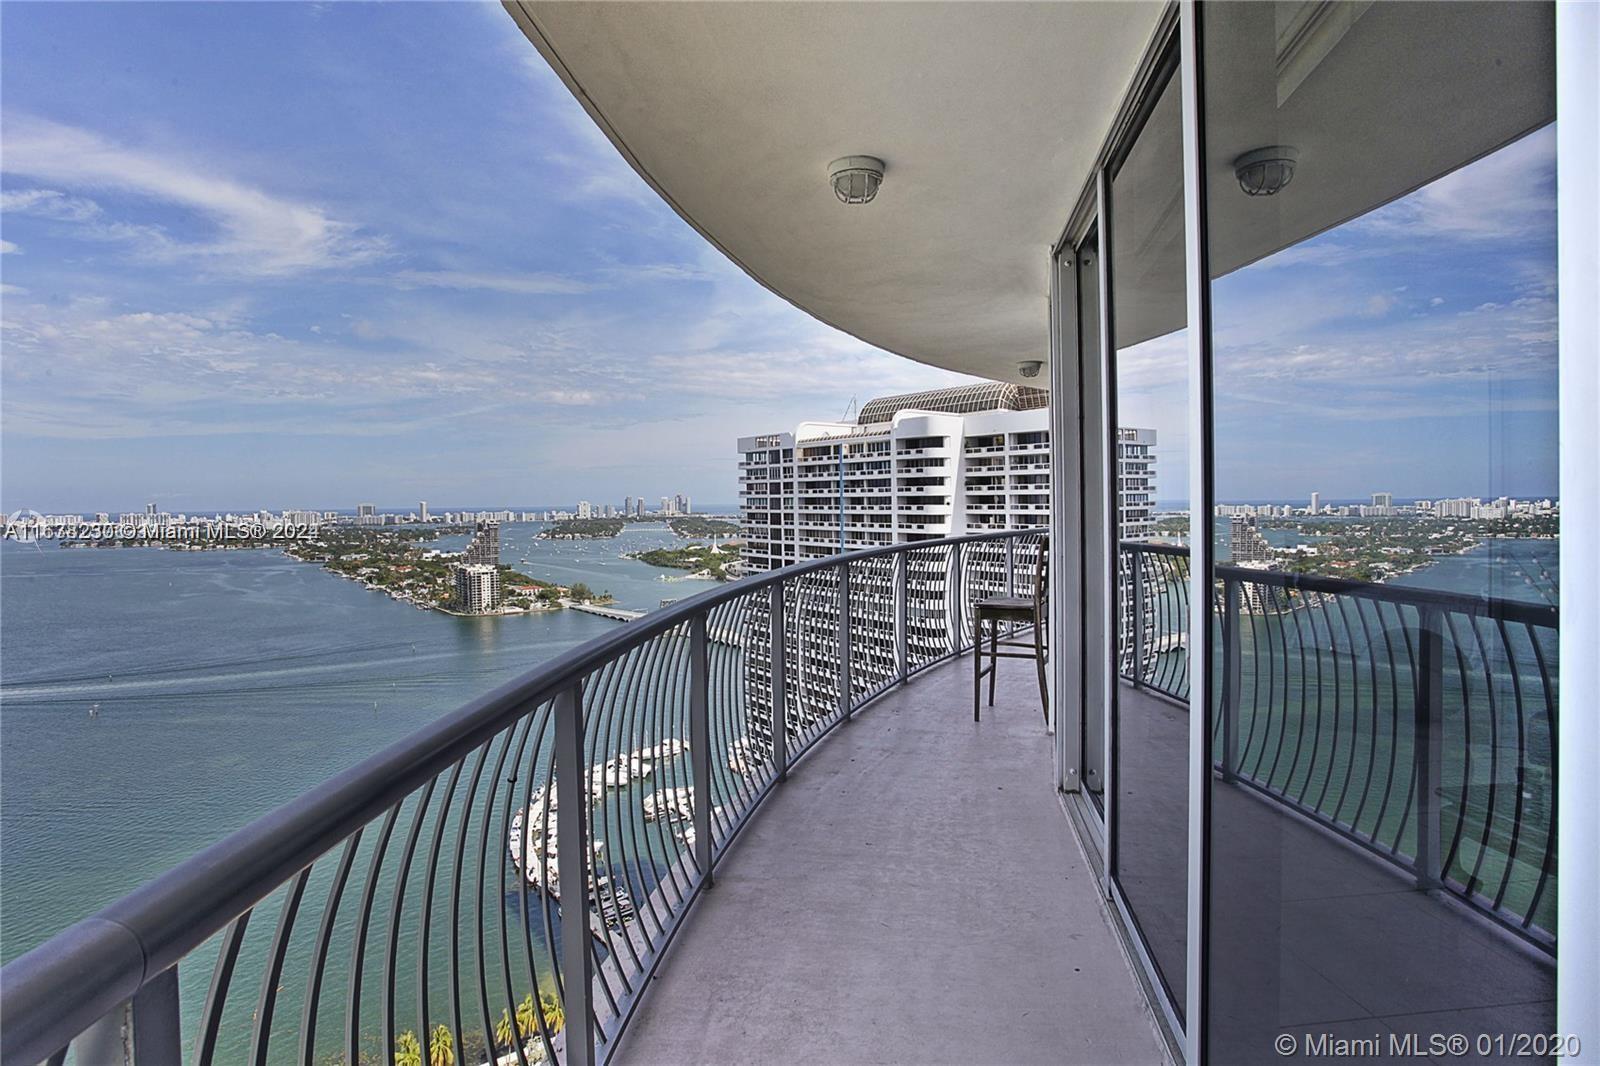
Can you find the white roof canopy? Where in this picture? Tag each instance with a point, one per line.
(988, 116)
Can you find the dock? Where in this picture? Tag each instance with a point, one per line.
(616, 614)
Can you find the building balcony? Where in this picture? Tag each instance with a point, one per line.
(859, 900)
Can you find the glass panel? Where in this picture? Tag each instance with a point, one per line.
(1091, 454)
(1381, 846)
(1149, 456)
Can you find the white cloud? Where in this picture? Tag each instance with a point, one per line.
(256, 231)
(519, 284)
(7, 248)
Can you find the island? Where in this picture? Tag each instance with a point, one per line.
(705, 561)
(395, 561)
(697, 527)
(582, 529)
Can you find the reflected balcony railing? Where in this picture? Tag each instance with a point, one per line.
(500, 886)
(1419, 724)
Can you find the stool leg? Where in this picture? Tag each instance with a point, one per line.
(1039, 659)
(994, 655)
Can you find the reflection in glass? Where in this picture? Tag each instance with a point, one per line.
(1149, 457)
(1381, 847)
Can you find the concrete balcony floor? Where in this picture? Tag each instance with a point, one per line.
(913, 893)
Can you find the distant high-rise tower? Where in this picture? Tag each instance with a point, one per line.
(1316, 503)
(484, 550)
(638, 507)
(627, 506)
(363, 510)
(422, 510)
(150, 509)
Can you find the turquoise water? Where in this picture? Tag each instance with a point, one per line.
(227, 683)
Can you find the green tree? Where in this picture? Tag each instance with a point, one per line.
(580, 591)
(555, 1018)
(407, 1050)
(441, 1048)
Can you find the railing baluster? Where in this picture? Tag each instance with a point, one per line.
(142, 1030)
(1011, 566)
(1230, 676)
(902, 614)
(1136, 614)
(845, 702)
(217, 997)
(572, 860)
(778, 645)
(700, 744)
(1426, 748)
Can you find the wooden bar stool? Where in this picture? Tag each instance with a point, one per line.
(1030, 611)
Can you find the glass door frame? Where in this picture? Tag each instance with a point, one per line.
(1082, 407)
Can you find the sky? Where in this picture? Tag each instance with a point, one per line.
(1411, 350)
(297, 255)
(305, 255)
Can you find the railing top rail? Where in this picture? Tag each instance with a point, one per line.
(1484, 606)
(88, 969)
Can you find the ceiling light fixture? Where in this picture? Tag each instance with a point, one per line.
(1029, 368)
(1266, 171)
(856, 178)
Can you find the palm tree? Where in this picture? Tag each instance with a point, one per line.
(441, 1048)
(555, 1018)
(527, 1019)
(504, 1035)
(407, 1051)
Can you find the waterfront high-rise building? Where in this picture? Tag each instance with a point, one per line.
(917, 467)
(914, 467)
(1316, 503)
(638, 507)
(484, 548)
(1382, 504)
(422, 510)
(477, 587)
(363, 510)
(627, 506)
(585, 509)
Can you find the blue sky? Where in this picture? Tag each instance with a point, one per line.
(1411, 350)
(304, 255)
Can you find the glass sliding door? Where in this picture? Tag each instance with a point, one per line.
(1145, 455)
(1381, 849)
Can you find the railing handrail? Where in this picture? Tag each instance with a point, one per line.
(90, 968)
(1465, 602)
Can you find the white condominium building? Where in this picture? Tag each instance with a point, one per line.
(916, 467)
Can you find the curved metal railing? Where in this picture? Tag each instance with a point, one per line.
(1419, 724)
(411, 909)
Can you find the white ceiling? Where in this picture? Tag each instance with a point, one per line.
(989, 117)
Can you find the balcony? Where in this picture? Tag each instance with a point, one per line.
(862, 903)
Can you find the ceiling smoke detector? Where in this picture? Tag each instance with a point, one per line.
(1029, 368)
(856, 178)
(1266, 171)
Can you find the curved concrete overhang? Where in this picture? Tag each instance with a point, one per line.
(988, 116)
